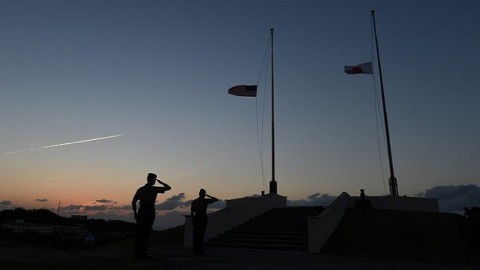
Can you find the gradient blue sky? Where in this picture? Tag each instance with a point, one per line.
(157, 72)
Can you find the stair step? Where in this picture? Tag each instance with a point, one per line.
(274, 228)
(262, 247)
(278, 229)
(267, 233)
(227, 240)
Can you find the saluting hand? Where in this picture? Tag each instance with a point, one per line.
(211, 197)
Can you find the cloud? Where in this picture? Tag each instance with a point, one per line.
(313, 196)
(454, 198)
(170, 219)
(171, 211)
(104, 201)
(125, 207)
(313, 200)
(72, 207)
(176, 201)
(95, 207)
(104, 211)
(5, 203)
(42, 200)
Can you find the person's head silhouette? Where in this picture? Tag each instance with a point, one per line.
(202, 193)
(151, 177)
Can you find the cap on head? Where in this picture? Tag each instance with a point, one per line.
(151, 177)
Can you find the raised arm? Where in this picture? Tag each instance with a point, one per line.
(212, 198)
(165, 185)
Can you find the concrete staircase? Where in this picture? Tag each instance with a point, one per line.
(277, 229)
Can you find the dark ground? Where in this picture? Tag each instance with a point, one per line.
(23, 257)
(362, 241)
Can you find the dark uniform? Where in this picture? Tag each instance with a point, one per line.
(147, 196)
(199, 222)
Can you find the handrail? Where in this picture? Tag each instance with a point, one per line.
(321, 227)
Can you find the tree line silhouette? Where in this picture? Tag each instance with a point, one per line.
(101, 230)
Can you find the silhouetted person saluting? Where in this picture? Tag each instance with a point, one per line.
(200, 219)
(145, 216)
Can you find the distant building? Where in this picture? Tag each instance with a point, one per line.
(20, 226)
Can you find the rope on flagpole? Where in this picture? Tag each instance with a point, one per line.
(378, 115)
(260, 129)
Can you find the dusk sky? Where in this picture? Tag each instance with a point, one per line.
(96, 94)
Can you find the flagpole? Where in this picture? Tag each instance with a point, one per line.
(392, 181)
(273, 183)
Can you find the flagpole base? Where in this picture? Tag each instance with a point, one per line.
(273, 187)
(393, 186)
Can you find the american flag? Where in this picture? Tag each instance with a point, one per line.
(243, 90)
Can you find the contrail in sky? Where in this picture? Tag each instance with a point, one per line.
(65, 144)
